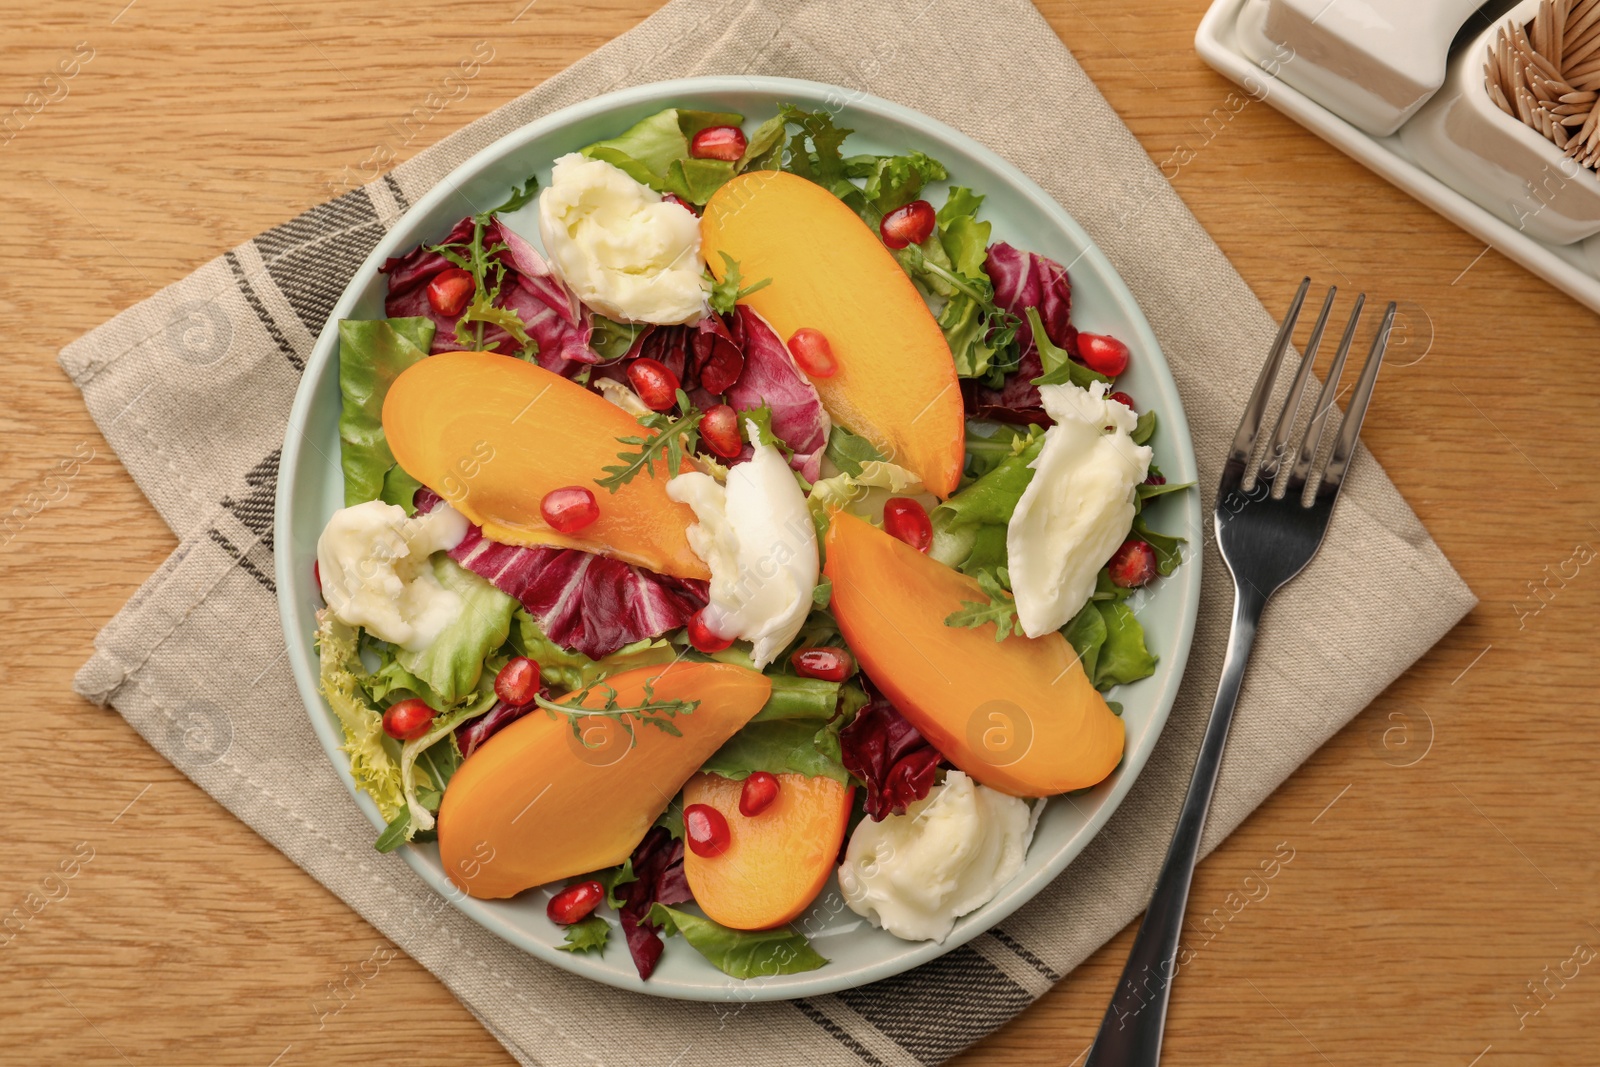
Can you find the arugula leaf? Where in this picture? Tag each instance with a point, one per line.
(762, 417)
(372, 353)
(452, 663)
(815, 154)
(1000, 610)
(1059, 367)
(847, 451)
(655, 151)
(520, 196)
(673, 437)
(650, 711)
(822, 593)
(726, 293)
(586, 935)
(739, 953)
(1145, 491)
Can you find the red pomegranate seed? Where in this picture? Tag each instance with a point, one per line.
(655, 383)
(1122, 398)
(706, 830)
(517, 681)
(1133, 565)
(828, 663)
(760, 790)
(909, 225)
(1156, 479)
(702, 637)
(674, 198)
(316, 574)
(907, 520)
(407, 720)
(450, 290)
(575, 902)
(719, 429)
(812, 351)
(1103, 353)
(718, 142)
(569, 509)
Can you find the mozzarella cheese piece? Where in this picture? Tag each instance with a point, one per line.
(949, 854)
(373, 561)
(626, 253)
(756, 535)
(1077, 510)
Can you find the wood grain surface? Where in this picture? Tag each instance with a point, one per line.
(1442, 900)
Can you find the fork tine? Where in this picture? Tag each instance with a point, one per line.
(1312, 439)
(1272, 464)
(1244, 439)
(1356, 413)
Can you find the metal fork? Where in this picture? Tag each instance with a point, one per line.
(1267, 534)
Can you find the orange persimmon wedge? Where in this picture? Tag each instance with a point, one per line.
(896, 381)
(537, 803)
(492, 435)
(776, 861)
(1017, 715)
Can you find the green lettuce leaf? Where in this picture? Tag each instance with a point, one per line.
(372, 353)
(655, 151)
(739, 953)
(993, 497)
(796, 731)
(848, 452)
(567, 669)
(372, 764)
(1110, 641)
(452, 663)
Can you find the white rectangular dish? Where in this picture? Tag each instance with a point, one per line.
(1573, 268)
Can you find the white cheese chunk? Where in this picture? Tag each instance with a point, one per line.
(756, 536)
(626, 253)
(373, 561)
(949, 854)
(1077, 510)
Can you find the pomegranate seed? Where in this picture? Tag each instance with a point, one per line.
(812, 351)
(706, 830)
(655, 383)
(316, 574)
(719, 429)
(407, 719)
(1103, 353)
(575, 902)
(909, 225)
(674, 198)
(907, 520)
(718, 142)
(829, 664)
(1122, 398)
(449, 291)
(569, 509)
(760, 790)
(1133, 565)
(1156, 479)
(517, 681)
(702, 637)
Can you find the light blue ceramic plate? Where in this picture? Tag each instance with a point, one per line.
(310, 489)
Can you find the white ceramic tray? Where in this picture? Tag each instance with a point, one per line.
(1574, 269)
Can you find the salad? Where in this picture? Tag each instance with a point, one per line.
(724, 514)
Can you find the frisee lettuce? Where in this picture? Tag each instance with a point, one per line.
(372, 765)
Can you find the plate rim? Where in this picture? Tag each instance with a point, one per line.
(1016, 893)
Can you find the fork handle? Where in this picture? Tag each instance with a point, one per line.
(1130, 1033)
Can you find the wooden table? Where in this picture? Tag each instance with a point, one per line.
(1443, 887)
